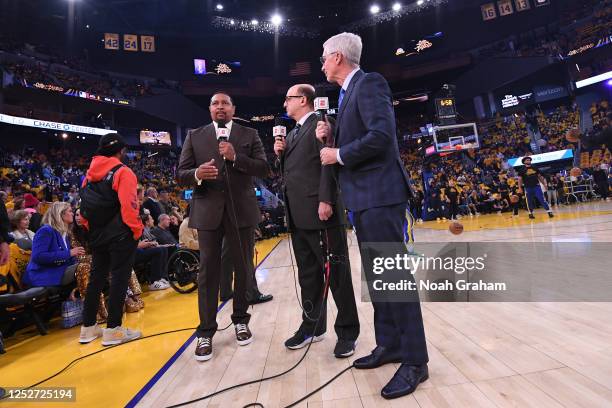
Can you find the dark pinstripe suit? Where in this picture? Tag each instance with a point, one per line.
(374, 186)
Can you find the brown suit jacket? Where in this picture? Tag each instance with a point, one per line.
(211, 198)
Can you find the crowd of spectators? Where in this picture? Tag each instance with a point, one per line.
(41, 193)
(479, 181)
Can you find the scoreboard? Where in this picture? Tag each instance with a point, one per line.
(445, 109)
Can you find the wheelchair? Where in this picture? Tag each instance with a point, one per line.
(183, 268)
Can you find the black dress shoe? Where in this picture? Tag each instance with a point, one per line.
(405, 381)
(380, 356)
(261, 298)
(227, 297)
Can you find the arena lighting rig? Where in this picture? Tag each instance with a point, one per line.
(275, 25)
(397, 11)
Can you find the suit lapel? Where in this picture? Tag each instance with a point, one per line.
(297, 138)
(212, 145)
(347, 96)
(349, 92)
(60, 241)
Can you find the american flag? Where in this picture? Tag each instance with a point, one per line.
(299, 69)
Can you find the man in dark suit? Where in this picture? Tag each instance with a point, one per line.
(375, 188)
(315, 215)
(224, 204)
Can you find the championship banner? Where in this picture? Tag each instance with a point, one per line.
(61, 127)
(488, 11)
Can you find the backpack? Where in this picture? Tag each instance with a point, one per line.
(99, 202)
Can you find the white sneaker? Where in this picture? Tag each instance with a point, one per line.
(89, 334)
(165, 281)
(119, 335)
(159, 285)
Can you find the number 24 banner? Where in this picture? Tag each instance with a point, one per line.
(130, 42)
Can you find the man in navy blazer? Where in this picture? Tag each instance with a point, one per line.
(374, 186)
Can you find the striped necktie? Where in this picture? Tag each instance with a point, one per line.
(294, 133)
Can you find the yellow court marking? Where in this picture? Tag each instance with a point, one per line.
(505, 220)
(111, 378)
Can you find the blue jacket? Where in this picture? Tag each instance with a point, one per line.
(373, 174)
(50, 258)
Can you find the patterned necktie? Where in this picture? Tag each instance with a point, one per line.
(341, 97)
(294, 134)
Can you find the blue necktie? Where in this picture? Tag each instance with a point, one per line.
(341, 97)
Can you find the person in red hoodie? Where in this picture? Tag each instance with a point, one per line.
(110, 210)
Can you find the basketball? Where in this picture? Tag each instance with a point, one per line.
(455, 228)
(573, 135)
(514, 199)
(575, 172)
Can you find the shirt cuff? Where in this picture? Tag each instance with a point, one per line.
(338, 157)
(195, 174)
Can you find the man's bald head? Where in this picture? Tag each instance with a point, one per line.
(299, 100)
(308, 91)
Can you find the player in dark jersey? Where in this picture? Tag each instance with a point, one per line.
(514, 199)
(452, 193)
(530, 177)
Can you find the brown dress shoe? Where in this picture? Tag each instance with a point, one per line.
(203, 351)
(243, 334)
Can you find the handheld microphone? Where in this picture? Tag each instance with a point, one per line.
(222, 131)
(321, 102)
(279, 129)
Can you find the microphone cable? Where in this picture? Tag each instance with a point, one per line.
(257, 404)
(289, 241)
(330, 259)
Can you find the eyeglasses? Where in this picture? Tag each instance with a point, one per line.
(292, 96)
(323, 58)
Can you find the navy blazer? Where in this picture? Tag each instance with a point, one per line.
(373, 174)
(50, 258)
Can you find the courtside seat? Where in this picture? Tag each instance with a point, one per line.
(20, 306)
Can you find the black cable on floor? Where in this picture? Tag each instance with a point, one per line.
(106, 348)
(76, 360)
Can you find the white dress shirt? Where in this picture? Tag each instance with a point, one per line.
(305, 118)
(228, 125)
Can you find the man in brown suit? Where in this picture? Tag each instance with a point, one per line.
(224, 204)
